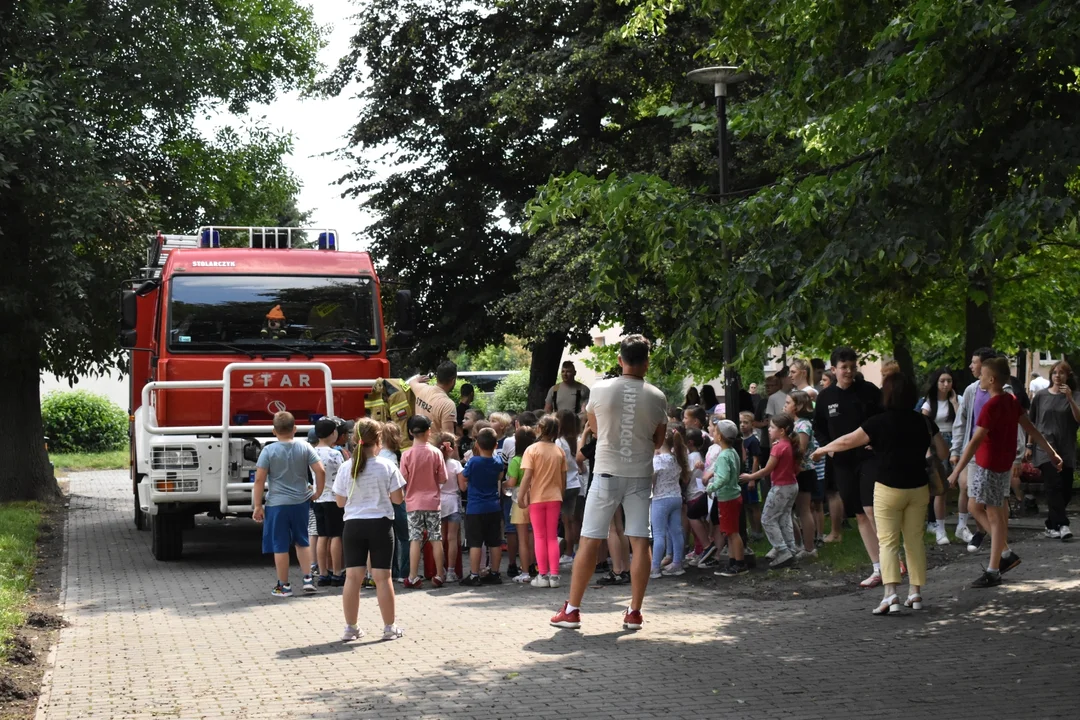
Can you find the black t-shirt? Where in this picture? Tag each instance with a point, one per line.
(900, 439)
(840, 411)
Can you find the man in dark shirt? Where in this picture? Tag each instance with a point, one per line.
(840, 409)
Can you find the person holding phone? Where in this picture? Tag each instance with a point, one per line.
(1055, 411)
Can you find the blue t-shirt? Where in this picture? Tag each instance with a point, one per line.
(483, 476)
(287, 466)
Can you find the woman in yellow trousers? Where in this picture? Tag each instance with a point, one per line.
(900, 438)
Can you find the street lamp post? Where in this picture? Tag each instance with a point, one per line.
(720, 77)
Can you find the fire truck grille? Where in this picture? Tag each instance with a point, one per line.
(173, 483)
(175, 457)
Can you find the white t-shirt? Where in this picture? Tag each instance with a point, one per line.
(449, 495)
(695, 487)
(389, 455)
(572, 479)
(942, 418)
(1039, 383)
(369, 496)
(666, 472)
(628, 410)
(507, 449)
(331, 460)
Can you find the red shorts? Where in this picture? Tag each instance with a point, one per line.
(729, 512)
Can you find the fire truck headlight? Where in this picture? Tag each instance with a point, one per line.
(172, 458)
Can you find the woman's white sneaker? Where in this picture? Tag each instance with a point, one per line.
(942, 536)
(352, 633)
(541, 581)
(553, 581)
(1065, 533)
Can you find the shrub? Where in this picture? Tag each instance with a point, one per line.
(512, 393)
(81, 421)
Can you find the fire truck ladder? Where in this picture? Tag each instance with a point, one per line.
(159, 250)
(225, 430)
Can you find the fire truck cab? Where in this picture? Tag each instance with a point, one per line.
(221, 339)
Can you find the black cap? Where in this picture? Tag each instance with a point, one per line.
(325, 427)
(345, 426)
(418, 424)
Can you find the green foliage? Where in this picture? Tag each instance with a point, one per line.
(108, 460)
(512, 354)
(82, 421)
(512, 393)
(892, 162)
(18, 553)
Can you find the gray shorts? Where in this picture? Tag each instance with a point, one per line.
(606, 494)
(988, 487)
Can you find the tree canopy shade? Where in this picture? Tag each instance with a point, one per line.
(93, 95)
(473, 105)
(916, 162)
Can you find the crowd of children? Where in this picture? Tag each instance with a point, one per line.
(517, 484)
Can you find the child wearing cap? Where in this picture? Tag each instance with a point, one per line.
(285, 465)
(424, 470)
(723, 485)
(329, 518)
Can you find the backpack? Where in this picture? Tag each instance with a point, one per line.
(393, 401)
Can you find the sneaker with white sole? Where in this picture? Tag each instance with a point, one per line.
(963, 534)
(566, 560)
(309, 584)
(806, 554)
(691, 559)
(553, 581)
(351, 633)
(783, 559)
(523, 578)
(942, 536)
(1052, 534)
(976, 541)
(673, 571)
(1065, 533)
(541, 581)
(392, 632)
(282, 590)
(772, 554)
(656, 574)
(452, 577)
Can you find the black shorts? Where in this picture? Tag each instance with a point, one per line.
(698, 508)
(807, 480)
(363, 537)
(329, 519)
(569, 500)
(855, 483)
(830, 476)
(484, 529)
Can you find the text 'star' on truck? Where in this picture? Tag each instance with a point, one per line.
(221, 339)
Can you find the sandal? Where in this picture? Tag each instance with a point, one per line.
(914, 602)
(890, 604)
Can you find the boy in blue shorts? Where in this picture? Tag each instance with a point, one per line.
(285, 464)
(483, 515)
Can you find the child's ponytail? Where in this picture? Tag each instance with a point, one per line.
(674, 440)
(366, 433)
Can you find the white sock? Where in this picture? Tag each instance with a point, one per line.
(961, 520)
(571, 608)
(877, 568)
(940, 525)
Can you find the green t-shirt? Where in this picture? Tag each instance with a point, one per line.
(724, 485)
(514, 471)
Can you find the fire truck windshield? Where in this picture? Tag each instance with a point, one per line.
(272, 313)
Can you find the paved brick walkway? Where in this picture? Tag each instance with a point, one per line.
(203, 638)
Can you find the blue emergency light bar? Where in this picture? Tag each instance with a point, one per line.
(328, 241)
(209, 238)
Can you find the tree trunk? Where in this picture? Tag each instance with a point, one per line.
(544, 369)
(902, 351)
(979, 329)
(25, 473)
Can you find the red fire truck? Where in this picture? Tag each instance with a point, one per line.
(220, 339)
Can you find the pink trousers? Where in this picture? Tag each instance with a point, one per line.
(544, 517)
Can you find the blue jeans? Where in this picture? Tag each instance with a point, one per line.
(666, 516)
(400, 564)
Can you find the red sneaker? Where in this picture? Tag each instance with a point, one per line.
(568, 620)
(437, 581)
(414, 584)
(632, 620)
(871, 582)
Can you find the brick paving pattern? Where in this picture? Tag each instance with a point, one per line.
(202, 638)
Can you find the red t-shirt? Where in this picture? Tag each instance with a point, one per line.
(784, 472)
(1000, 416)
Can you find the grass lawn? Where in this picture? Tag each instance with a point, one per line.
(18, 536)
(845, 556)
(111, 460)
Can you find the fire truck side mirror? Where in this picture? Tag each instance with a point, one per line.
(128, 318)
(403, 305)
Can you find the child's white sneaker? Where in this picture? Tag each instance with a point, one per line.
(553, 581)
(451, 576)
(523, 578)
(352, 633)
(541, 581)
(392, 632)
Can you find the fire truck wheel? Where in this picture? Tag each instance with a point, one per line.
(167, 539)
(142, 520)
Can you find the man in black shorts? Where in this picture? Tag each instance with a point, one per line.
(840, 409)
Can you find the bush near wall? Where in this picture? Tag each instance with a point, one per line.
(81, 421)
